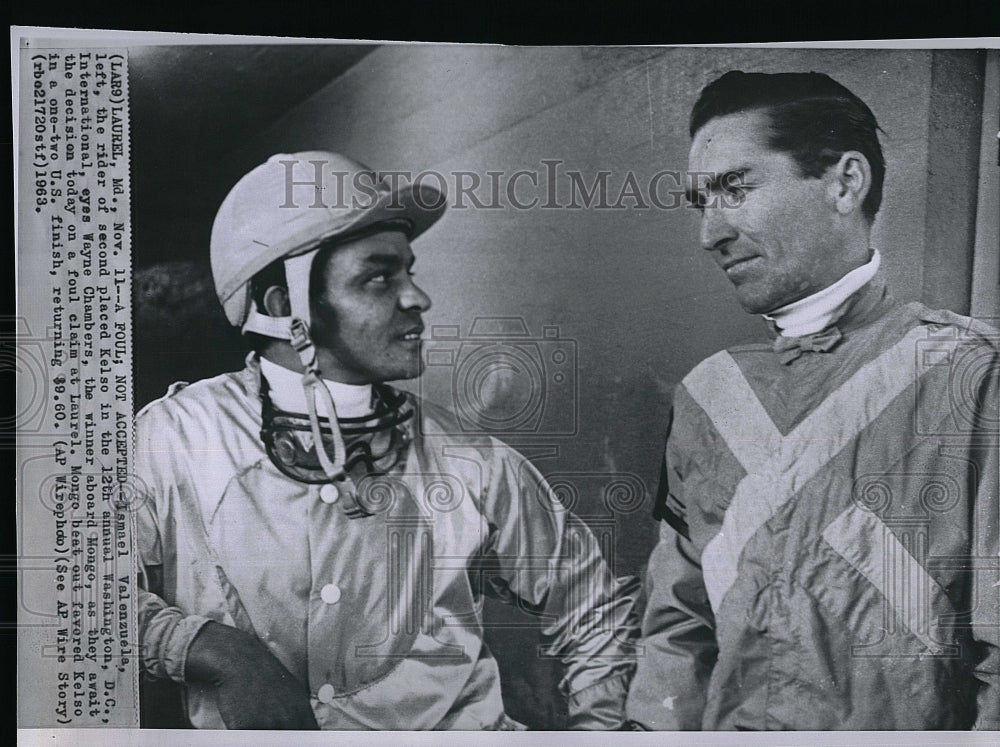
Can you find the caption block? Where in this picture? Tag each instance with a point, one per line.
(79, 666)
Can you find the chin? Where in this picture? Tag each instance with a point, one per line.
(754, 305)
(758, 303)
(406, 371)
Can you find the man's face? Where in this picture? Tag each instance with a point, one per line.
(366, 319)
(782, 241)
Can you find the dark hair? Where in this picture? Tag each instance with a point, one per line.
(813, 118)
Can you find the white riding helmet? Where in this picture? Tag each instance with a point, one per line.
(284, 209)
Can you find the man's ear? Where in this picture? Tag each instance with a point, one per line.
(850, 180)
(276, 301)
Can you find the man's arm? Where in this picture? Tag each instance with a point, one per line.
(254, 690)
(165, 632)
(594, 631)
(678, 640)
(678, 629)
(192, 648)
(552, 563)
(986, 550)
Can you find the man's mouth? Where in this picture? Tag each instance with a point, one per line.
(732, 264)
(413, 334)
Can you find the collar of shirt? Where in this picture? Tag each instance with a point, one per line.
(815, 313)
(351, 400)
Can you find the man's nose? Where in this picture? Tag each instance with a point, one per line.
(716, 231)
(413, 298)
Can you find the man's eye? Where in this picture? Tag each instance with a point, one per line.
(734, 185)
(381, 278)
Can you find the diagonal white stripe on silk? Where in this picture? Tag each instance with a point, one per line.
(721, 390)
(861, 538)
(797, 457)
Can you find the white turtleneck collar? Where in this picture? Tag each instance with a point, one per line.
(815, 313)
(351, 400)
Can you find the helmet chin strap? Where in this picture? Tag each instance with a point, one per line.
(269, 326)
(295, 329)
(297, 279)
(311, 384)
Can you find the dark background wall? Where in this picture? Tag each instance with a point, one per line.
(627, 291)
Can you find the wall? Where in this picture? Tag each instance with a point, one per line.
(627, 289)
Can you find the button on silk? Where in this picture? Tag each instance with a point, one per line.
(329, 493)
(330, 594)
